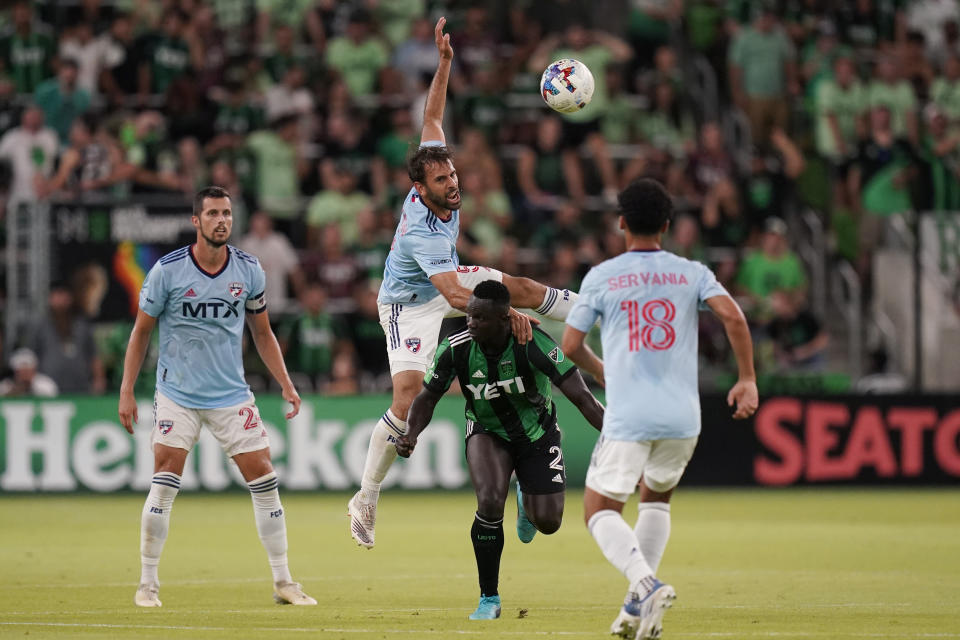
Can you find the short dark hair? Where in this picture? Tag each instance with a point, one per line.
(492, 290)
(207, 192)
(645, 206)
(417, 165)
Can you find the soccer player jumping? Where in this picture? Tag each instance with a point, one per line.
(511, 425)
(200, 296)
(647, 300)
(423, 283)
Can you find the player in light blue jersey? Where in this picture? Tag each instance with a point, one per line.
(423, 283)
(200, 296)
(647, 301)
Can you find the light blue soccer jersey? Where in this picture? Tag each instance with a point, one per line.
(423, 246)
(201, 317)
(647, 303)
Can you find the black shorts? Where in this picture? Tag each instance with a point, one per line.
(576, 133)
(539, 465)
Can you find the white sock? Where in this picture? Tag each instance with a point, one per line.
(271, 524)
(620, 547)
(380, 454)
(653, 531)
(557, 303)
(155, 522)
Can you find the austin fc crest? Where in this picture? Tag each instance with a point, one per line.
(165, 426)
(236, 288)
(413, 344)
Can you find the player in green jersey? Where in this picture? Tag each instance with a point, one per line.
(511, 425)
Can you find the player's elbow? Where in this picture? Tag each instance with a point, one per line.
(571, 343)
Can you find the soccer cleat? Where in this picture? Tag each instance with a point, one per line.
(646, 614)
(291, 593)
(148, 595)
(525, 528)
(363, 518)
(488, 609)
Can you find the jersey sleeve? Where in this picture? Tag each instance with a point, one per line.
(547, 357)
(432, 252)
(257, 301)
(153, 293)
(441, 373)
(586, 309)
(708, 287)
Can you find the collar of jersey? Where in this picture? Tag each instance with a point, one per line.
(204, 271)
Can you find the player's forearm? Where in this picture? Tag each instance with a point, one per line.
(133, 360)
(458, 298)
(437, 96)
(576, 391)
(739, 335)
(269, 350)
(584, 357)
(421, 412)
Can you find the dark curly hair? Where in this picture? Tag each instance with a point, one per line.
(423, 156)
(645, 205)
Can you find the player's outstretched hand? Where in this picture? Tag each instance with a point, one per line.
(405, 445)
(128, 411)
(443, 41)
(522, 326)
(290, 395)
(744, 395)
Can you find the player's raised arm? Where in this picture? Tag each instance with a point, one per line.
(437, 96)
(421, 412)
(744, 392)
(132, 361)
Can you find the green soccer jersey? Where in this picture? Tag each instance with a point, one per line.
(509, 394)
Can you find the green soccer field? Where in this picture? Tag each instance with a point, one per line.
(745, 564)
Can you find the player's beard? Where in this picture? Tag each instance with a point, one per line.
(213, 242)
(441, 200)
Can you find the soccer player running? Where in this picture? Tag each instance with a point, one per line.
(423, 283)
(647, 300)
(511, 425)
(200, 295)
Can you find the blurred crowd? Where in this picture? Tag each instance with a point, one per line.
(305, 111)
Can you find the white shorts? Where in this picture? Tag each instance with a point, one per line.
(616, 466)
(412, 329)
(238, 428)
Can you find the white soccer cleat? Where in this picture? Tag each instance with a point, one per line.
(291, 593)
(654, 606)
(148, 595)
(363, 518)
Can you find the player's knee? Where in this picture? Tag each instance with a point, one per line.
(490, 505)
(549, 523)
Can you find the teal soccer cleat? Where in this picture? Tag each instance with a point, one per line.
(488, 609)
(525, 528)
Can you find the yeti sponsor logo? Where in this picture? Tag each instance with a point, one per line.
(490, 391)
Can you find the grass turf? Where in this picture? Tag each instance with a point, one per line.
(746, 564)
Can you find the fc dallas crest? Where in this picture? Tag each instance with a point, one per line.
(413, 344)
(236, 288)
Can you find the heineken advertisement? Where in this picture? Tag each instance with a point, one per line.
(77, 444)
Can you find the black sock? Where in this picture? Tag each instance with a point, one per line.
(487, 538)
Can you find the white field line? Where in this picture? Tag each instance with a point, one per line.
(716, 634)
(133, 583)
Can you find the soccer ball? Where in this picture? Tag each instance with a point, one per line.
(567, 85)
